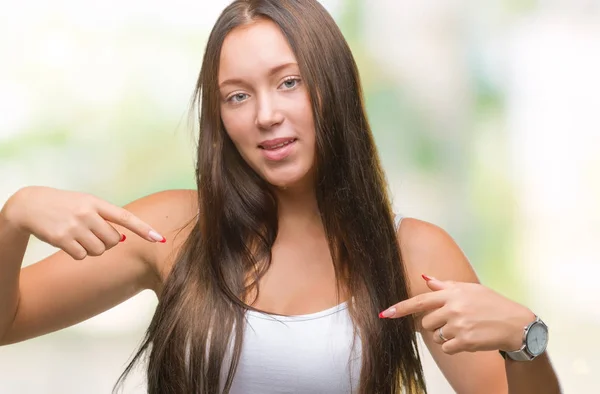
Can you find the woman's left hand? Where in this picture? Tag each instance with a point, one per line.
(466, 317)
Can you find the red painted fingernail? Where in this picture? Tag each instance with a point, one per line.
(390, 312)
(123, 238)
(156, 237)
(427, 278)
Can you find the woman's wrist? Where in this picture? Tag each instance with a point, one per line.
(521, 320)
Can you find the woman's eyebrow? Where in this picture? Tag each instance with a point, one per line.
(272, 71)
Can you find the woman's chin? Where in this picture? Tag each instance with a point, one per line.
(287, 181)
(283, 184)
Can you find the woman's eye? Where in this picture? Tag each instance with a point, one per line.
(238, 97)
(290, 83)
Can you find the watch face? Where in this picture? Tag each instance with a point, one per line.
(537, 339)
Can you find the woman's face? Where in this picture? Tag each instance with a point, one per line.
(265, 105)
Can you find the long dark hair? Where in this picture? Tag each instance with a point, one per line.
(200, 314)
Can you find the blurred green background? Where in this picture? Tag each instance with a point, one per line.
(485, 114)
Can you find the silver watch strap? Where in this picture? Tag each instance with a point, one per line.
(522, 354)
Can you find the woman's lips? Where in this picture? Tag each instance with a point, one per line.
(278, 148)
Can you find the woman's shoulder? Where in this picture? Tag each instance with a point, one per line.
(180, 202)
(427, 249)
(172, 213)
(168, 210)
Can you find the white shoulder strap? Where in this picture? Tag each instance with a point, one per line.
(397, 220)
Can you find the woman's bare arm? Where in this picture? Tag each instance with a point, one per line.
(427, 249)
(60, 291)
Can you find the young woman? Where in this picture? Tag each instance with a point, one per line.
(282, 272)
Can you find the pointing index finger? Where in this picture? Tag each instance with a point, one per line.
(417, 304)
(123, 217)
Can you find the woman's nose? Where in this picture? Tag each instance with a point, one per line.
(268, 114)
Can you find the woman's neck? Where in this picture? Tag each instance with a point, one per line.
(298, 211)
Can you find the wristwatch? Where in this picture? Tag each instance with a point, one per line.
(535, 340)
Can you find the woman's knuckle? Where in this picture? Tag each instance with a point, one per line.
(456, 309)
(419, 301)
(125, 216)
(97, 250)
(469, 340)
(71, 226)
(460, 325)
(426, 324)
(79, 254)
(59, 236)
(112, 242)
(82, 211)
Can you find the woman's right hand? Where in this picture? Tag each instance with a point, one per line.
(78, 223)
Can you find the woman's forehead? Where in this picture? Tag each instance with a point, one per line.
(255, 48)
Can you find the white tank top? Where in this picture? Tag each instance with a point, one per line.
(303, 354)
